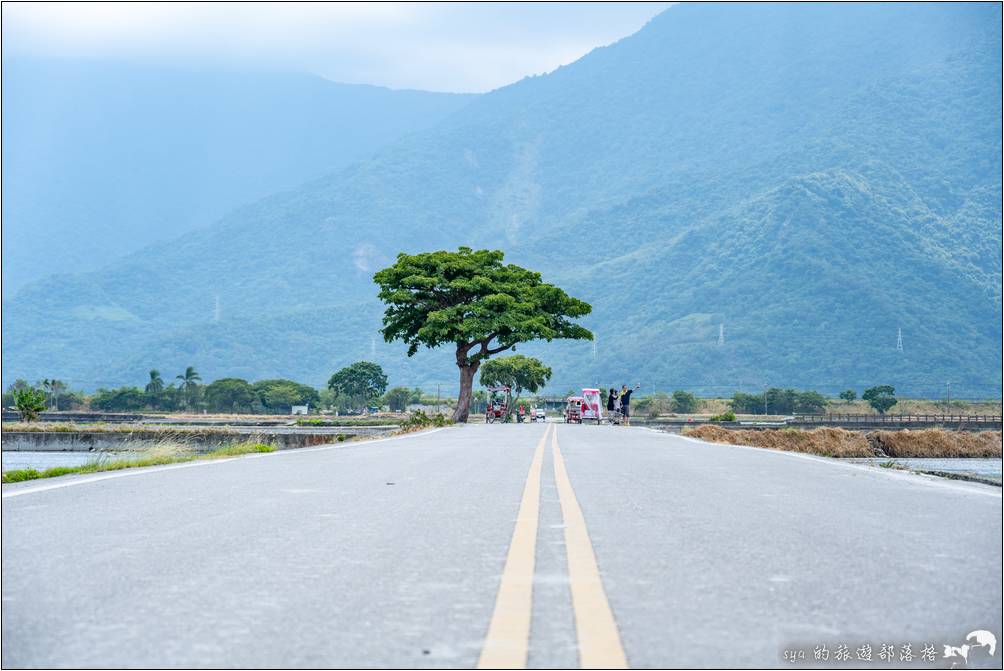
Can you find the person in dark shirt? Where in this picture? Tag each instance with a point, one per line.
(611, 399)
(625, 399)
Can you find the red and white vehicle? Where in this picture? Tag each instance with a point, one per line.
(573, 410)
(592, 406)
(498, 405)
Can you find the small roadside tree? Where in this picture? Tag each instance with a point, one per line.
(471, 300)
(519, 373)
(848, 395)
(29, 402)
(362, 382)
(881, 397)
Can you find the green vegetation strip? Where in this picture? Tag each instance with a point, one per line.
(161, 459)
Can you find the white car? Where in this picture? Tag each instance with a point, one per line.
(539, 415)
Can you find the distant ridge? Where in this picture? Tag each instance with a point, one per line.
(101, 158)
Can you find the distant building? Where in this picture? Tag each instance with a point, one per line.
(300, 410)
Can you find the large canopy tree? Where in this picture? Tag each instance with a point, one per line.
(230, 394)
(519, 373)
(361, 382)
(472, 300)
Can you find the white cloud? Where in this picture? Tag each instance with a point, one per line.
(459, 47)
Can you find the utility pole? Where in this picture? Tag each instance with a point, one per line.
(721, 334)
(437, 399)
(216, 309)
(949, 404)
(373, 347)
(899, 339)
(594, 347)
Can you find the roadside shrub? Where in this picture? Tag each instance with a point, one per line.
(727, 416)
(419, 420)
(29, 402)
(21, 475)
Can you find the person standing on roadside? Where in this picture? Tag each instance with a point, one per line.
(625, 400)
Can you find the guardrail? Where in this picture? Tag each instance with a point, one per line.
(898, 419)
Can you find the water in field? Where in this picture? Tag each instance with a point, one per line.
(42, 460)
(988, 468)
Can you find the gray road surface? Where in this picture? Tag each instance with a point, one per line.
(389, 554)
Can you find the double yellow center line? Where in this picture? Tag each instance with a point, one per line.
(507, 644)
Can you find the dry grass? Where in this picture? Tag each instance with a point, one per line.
(938, 443)
(926, 443)
(824, 442)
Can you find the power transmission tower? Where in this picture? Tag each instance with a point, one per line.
(721, 334)
(899, 339)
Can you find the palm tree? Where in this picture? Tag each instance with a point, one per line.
(155, 387)
(189, 383)
(53, 388)
(156, 383)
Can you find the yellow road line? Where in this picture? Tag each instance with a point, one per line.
(508, 639)
(599, 640)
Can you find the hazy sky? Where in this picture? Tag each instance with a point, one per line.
(443, 47)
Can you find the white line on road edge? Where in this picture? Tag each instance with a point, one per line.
(208, 462)
(599, 640)
(507, 642)
(911, 478)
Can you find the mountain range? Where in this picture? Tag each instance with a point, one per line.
(102, 158)
(748, 195)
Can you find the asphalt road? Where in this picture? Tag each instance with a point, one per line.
(504, 545)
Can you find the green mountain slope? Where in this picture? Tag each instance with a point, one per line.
(810, 177)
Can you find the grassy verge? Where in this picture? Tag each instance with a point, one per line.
(159, 458)
(349, 421)
(826, 442)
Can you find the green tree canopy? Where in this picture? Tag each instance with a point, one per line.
(848, 395)
(809, 402)
(279, 395)
(229, 394)
(397, 398)
(471, 300)
(520, 373)
(362, 382)
(123, 399)
(684, 402)
(881, 397)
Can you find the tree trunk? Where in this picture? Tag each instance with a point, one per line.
(467, 373)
